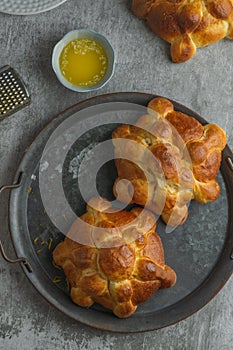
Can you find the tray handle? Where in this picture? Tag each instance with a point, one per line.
(2, 251)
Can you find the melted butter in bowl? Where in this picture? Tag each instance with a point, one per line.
(83, 60)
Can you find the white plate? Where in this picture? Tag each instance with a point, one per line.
(28, 7)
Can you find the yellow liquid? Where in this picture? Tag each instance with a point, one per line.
(83, 62)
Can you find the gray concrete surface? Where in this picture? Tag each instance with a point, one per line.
(204, 84)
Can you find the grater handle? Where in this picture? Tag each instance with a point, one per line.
(2, 251)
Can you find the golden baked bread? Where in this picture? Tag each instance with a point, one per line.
(122, 263)
(167, 158)
(187, 24)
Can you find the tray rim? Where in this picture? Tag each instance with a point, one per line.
(226, 263)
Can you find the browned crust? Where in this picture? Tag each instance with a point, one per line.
(182, 162)
(118, 276)
(187, 24)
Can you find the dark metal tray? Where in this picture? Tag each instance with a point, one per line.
(200, 251)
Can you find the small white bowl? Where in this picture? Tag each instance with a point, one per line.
(89, 34)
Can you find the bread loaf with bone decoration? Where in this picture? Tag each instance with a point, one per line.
(121, 263)
(187, 24)
(168, 158)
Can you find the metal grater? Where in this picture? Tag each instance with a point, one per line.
(13, 92)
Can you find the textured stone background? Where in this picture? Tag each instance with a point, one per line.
(204, 84)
